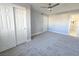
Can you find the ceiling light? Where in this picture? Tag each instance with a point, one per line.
(49, 9)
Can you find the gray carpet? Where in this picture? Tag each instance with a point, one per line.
(47, 44)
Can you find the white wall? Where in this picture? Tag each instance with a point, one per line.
(37, 22)
(45, 23)
(59, 23)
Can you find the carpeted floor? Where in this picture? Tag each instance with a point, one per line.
(47, 44)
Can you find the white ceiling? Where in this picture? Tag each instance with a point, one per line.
(63, 7)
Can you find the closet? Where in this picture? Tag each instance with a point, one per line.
(7, 32)
(20, 23)
(13, 26)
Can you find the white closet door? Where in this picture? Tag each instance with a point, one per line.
(21, 26)
(7, 33)
(45, 23)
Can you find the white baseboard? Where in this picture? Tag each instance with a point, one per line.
(36, 33)
(59, 32)
(28, 40)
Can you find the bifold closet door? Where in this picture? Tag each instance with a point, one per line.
(7, 33)
(21, 26)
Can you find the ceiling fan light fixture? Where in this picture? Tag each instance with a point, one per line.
(49, 9)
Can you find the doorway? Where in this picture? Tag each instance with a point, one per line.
(74, 25)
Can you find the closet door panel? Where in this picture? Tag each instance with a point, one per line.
(7, 36)
(21, 26)
(11, 29)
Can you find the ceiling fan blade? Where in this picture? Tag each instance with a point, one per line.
(55, 5)
(44, 7)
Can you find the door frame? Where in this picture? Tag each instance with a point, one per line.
(70, 19)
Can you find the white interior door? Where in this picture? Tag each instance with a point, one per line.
(45, 23)
(74, 25)
(77, 23)
(7, 33)
(78, 28)
(21, 26)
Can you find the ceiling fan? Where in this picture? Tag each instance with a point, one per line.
(50, 6)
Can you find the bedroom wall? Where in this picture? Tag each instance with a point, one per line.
(59, 23)
(37, 22)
